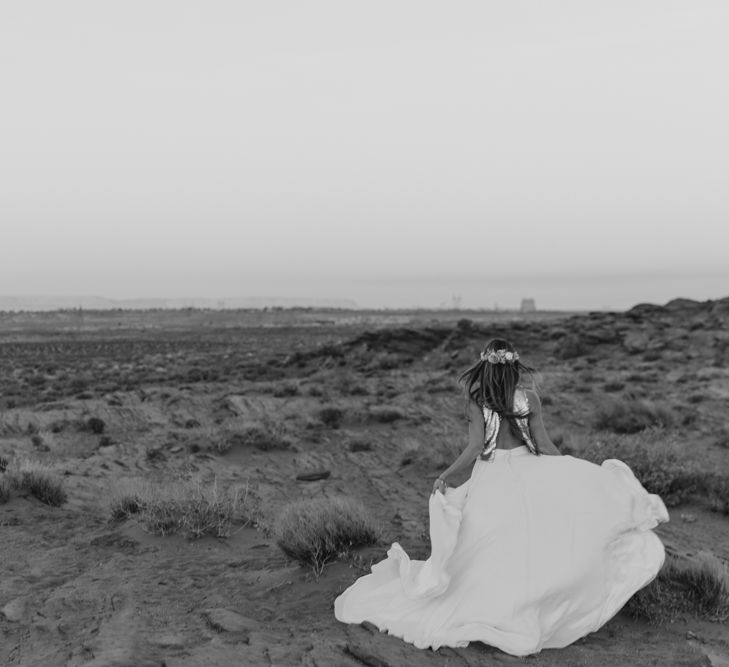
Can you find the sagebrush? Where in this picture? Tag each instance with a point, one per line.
(699, 587)
(317, 531)
(191, 507)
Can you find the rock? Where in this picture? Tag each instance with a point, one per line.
(224, 620)
(169, 641)
(641, 341)
(14, 610)
(313, 476)
(645, 310)
(600, 335)
(683, 304)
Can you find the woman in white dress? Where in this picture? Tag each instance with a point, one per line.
(533, 551)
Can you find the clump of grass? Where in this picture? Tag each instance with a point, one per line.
(37, 479)
(190, 507)
(613, 386)
(630, 415)
(658, 460)
(124, 506)
(317, 531)
(95, 424)
(331, 416)
(4, 492)
(719, 494)
(286, 389)
(699, 587)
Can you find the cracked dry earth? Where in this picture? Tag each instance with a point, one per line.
(79, 589)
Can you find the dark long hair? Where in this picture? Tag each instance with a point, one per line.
(493, 385)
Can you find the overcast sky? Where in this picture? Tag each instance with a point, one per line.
(391, 151)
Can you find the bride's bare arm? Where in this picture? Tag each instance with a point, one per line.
(475, 441)
(536, 426)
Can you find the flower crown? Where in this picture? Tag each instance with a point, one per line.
(499, 357)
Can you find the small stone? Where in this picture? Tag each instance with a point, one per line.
(688, 518)
(169, 641)
(15, 609)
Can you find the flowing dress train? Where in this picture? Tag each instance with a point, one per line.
(531, 552)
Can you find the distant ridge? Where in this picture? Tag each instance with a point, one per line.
(45, 303)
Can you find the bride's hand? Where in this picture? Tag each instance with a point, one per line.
(439, 485)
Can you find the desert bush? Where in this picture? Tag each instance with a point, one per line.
(630, 415)
(719, 494)
(331, 416)
(96, 425)
(315, 532)
(190, 507)
(360, 446)
(385, 415)
(570, 347)
(699, 587)
(264, 439)
(286, 389)
(658, 460)
(722, 438)
(123, 506)
(38, 480)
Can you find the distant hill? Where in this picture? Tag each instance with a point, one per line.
(43, 303)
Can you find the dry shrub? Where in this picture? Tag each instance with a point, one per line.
(360, 446)
(37, 479)
(190, 507)
(659, 461)
(630, 415)
(331, 416)
(94, 424)
(699, 587)
(317, 531)
(719, 494)
(385, 415)
(265, 439)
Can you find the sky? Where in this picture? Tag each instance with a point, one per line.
(398, 153)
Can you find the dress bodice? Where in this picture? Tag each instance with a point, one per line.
(492, 422)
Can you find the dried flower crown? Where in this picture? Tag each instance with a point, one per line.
(499, 357)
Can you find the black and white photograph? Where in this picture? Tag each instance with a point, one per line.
(364, 334)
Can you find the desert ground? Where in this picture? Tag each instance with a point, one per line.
(269, 409)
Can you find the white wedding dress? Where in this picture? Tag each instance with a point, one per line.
(531, 552)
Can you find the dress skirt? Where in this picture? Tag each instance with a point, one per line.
(531, 552)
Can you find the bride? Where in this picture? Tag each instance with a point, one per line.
(533, 551)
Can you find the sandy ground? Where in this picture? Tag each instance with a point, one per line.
(77, 588)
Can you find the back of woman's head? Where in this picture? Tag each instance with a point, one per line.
(493, 379)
